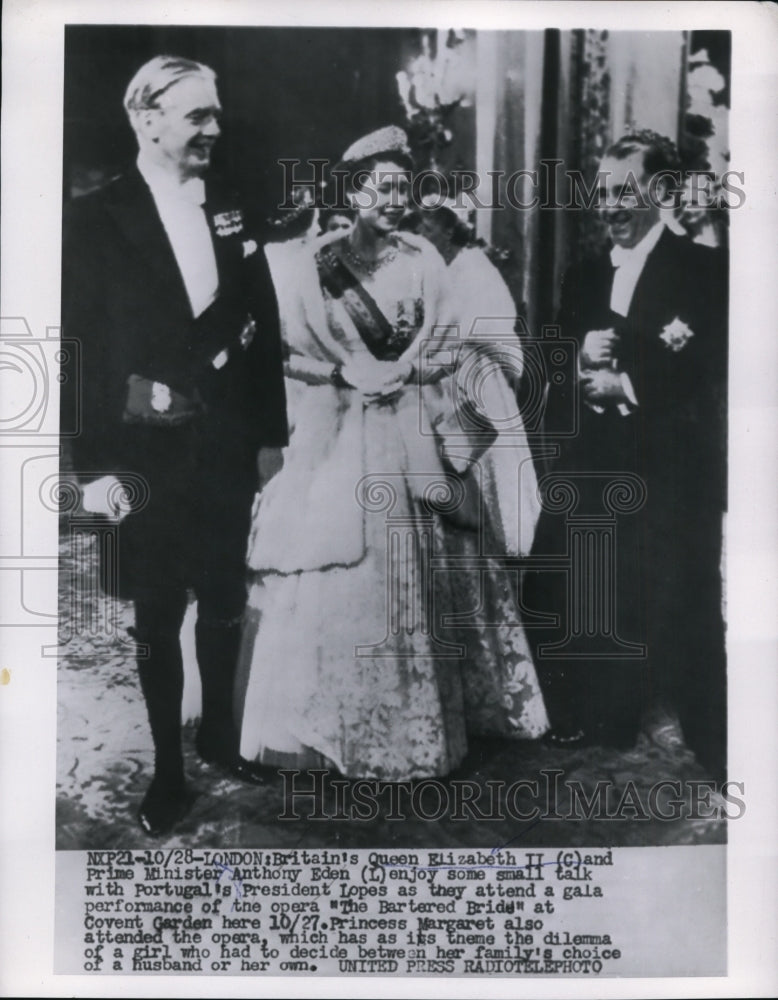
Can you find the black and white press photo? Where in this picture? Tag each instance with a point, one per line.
(429, 483)
(398, 595)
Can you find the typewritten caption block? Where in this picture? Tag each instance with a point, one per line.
(529, 912)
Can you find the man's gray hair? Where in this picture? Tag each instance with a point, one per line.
(158, 75)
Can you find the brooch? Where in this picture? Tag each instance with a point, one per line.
(676, 334)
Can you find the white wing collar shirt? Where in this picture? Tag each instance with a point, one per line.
(180, 207)
(629, 262)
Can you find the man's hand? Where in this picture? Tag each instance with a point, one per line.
(603, 385)
(107, 496)
(597, 348)
(269, 462)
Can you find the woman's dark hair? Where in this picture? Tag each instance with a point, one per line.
(325, 214)
(659, 153)
(461, 235)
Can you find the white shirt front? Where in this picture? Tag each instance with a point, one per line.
(629, 262)
(180, 207)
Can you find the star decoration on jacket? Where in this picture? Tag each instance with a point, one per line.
(676, 335)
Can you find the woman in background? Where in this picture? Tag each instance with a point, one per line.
(500, 472)
(478, 289)
(346, 663)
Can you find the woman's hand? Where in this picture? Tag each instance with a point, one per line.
(377, 379)
(396, 375)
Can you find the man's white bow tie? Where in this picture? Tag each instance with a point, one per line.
(192, 190)
(620, 255)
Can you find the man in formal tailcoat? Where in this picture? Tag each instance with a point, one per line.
(180, 390)
(649, 316)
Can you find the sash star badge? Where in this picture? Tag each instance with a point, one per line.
(249, 247)
(676, 335)
(228, 223)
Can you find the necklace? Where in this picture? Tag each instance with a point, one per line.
(368, 266)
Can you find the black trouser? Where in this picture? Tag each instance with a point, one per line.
(200, 544)
(669, 599)
(595, 538)
(158, 619)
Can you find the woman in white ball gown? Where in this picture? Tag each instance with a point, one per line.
(382, 628)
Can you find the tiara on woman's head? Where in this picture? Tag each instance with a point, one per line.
(390, 139)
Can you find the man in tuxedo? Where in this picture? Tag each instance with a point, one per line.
(643, 627)
(180, 391)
